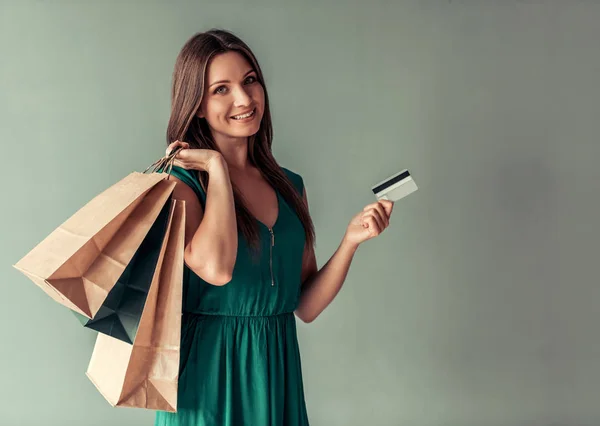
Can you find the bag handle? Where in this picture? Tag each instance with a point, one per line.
(165, 162)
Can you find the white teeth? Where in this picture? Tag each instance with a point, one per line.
(240, 117)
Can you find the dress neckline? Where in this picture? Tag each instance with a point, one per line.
(278, 213)
(277, 196)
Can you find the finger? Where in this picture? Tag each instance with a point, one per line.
(171, 148)
(174, 145)
(388, 206)
(376, 216)
(382, 206)
(372, 226)
(381, 220)
(382, 213)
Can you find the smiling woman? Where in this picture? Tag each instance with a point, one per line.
(247, 234)
(249, 246)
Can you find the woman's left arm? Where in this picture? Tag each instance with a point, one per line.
(319, 287)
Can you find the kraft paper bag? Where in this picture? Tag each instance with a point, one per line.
(145, 374)
(120, 314)
(80, 262)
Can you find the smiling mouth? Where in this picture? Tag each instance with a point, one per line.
(244, 116)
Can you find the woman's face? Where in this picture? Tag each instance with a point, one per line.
(231, 92)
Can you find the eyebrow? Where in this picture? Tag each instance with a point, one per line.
(227, 81)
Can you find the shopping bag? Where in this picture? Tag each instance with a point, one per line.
(120, 314)
(80, 262)
(145, 374)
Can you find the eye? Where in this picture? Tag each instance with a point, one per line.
(218, 90)
(221, 90)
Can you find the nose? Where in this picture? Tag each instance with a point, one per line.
(241, 98)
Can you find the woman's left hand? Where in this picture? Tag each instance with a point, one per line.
(369, 223)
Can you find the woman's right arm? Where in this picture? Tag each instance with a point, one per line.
(210, 236)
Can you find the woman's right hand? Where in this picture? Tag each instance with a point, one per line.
(195, 159)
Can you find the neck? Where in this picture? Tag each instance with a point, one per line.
(235, 153)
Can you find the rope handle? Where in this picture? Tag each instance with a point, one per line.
(166, 163)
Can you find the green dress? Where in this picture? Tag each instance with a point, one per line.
(240, 361)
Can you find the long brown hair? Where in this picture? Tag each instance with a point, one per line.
(186, 96)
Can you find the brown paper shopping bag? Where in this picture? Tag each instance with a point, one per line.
(79, 262)
(145, 374)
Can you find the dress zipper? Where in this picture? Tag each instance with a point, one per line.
(271, 256)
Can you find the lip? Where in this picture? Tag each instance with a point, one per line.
(242, 113)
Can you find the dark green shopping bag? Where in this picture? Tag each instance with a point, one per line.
(120, 314)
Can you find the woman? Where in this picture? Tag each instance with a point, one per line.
(250, 262)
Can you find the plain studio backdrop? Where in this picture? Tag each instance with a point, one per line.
(478, 306)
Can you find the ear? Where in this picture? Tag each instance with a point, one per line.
(199, 113)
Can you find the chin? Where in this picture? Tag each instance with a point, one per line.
(245, 132)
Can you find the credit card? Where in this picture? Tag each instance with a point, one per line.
(395, 187)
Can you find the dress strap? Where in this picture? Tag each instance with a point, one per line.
(296, 180)
(190, 178)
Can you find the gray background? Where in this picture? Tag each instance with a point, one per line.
(478, 306)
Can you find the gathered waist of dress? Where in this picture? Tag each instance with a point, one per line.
(233, 315)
